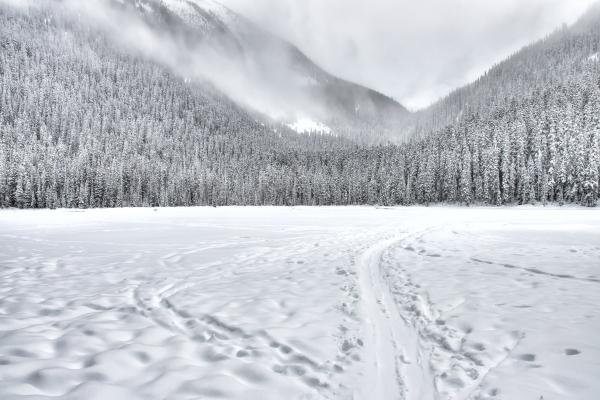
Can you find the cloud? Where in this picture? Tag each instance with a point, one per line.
(212, 61)
(20, 4)
(414, 50)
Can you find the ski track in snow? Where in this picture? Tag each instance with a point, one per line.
(394, 340)
(300, 303)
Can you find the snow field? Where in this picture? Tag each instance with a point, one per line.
(300, 303)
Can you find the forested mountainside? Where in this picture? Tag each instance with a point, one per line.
(84, 123)
(551, 62)
(269, 75)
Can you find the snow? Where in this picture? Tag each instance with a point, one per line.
(300, 303)
(185, 9)
(305, 80)
(307, 125)
(594, 57)
(212, 6)
(146, 8)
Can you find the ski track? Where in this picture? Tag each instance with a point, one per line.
(408, 323)
(390, 304)
(395, 357)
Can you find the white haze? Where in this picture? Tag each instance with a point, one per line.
(245, 82)
(21, 4)
(415, 51)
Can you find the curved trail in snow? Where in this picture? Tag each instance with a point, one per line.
(394, 358)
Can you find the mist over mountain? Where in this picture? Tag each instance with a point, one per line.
(207, 43)
(110, 103)
(550, 62)
(414, 51)
(206, 132)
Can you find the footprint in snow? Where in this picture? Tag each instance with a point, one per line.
(527, 357)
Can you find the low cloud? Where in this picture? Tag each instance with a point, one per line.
(244, 80)
(201, 61)
(415, 51)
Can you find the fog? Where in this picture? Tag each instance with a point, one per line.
(215, 61)
(210, 61)
(414, 51)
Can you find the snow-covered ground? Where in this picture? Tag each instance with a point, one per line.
(300, 303)
(307, 125)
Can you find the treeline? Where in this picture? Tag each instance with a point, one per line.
(83, 124)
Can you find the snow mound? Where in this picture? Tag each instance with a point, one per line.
(307, 125)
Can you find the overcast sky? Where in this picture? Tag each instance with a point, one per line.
(413, 50)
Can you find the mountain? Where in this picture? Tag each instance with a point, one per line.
(550, 62)
(526, 131)
(139, 104)
(283, 83)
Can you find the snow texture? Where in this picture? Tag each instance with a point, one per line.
(307, 125)
(300, 303)
(186, 8)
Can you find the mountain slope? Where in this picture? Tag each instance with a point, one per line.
(91, 118)
(284, 83)
(553, 61)
(527, 131)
